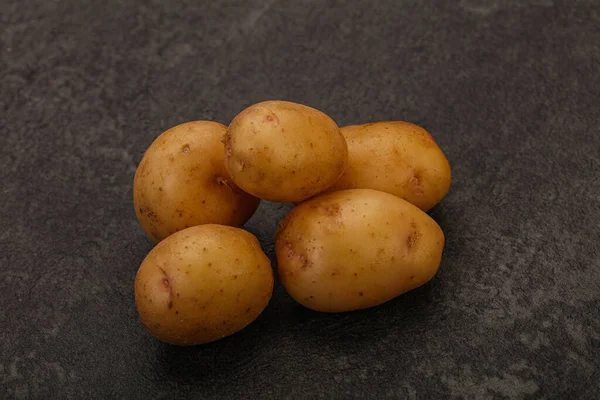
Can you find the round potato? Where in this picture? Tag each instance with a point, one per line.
(203, 283)
(182, 181)
(283, 151)
(398, 158)
(355, 249)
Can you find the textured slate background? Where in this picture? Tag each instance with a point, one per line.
(510, 90)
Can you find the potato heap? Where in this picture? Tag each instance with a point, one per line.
(358, 236)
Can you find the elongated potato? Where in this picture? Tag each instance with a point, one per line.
(355, 249)
(398, 158)
(203, 283)
(283, 151)
(182, 181)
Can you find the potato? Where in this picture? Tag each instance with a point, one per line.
(203, 283)
(282, 151)
(398, 158)
(182, 181)
(356, 248)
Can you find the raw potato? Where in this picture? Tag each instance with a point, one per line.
(283, 151)
(203, 283)
(398, 158)
(355, 249)
(182, 181)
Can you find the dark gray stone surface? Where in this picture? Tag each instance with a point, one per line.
(509, 89)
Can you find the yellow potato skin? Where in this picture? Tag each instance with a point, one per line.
(396, 157)
(283, 151)
(354, 249)
(182, 181)
(203, 283)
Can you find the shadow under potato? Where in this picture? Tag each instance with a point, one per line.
(286, 326)
(368, 324)
(223, 358)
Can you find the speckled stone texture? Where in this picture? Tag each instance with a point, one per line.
(509, 89)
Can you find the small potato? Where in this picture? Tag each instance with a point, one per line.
(203, 283)
(282, 151)
(398, 158)
(182, 181)
(355, 249)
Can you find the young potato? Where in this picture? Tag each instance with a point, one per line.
(398, 158)
(355, 249)
(282, 151)
(203, 283)
(182, 181)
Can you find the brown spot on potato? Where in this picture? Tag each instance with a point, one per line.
(152, 216)
(415, 185)
(268, 118)
(412, 277)
(171, 158)
(355, 274)
(360, 293)
(160, 189)
(185, 149)
(412, 239)
(291, 253)
(332, 209)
